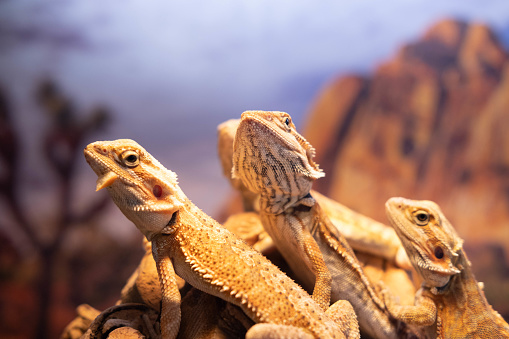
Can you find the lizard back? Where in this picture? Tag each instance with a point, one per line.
(216, 261)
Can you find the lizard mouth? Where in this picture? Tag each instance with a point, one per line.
(105, 171)
(105, 176)
(106, 180)
(96, 161)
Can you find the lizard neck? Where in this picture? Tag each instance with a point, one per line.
(465, 282)
(212, 259)
(277, 201)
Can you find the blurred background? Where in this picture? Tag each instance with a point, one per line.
(400, 98)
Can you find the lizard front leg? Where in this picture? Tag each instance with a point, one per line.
(301, 218)
(170, 309)
(322, 289)
(423, 313)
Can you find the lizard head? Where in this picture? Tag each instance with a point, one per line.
(273, 159)
(429, 239)
(225, 136)
(145, 191)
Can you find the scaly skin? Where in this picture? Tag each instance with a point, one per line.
(450, 303)
(274, 161)
(362, 233)
(374, 243)
(187, 241)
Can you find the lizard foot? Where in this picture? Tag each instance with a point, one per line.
(342, 313)
(272, 331)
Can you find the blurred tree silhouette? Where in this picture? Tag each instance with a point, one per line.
(62, 147)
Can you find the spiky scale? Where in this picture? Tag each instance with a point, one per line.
(185, 242)
(273, 160)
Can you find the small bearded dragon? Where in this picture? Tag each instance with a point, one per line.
(275, 161)
(450, 303)
(189, 243)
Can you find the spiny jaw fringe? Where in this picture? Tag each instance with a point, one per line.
(148, 208)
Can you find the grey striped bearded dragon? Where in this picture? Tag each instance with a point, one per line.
(273, 160)
(186, 241)
(362, 233)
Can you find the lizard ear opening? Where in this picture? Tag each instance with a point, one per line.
(439, 252)
(157, 191)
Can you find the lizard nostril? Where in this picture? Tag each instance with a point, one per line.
(100, 149)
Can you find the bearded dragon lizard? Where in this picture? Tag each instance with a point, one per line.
(187, 241)
(275, 161)
(450, 303)
(362, 233)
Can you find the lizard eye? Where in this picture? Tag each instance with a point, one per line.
(439, 252)
(130, 159)
(287, 121)
(421, 218)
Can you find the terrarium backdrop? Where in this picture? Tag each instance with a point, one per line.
(395, 100)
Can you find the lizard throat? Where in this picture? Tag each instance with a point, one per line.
(442, 289)
(170, 228)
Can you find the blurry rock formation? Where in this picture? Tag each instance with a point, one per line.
(431, 123)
